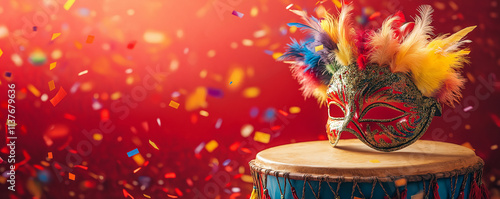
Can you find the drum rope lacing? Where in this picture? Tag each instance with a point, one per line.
(261, 181)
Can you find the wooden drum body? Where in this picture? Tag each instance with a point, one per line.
(426, 169)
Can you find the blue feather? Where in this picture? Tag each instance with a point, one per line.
(301, 26)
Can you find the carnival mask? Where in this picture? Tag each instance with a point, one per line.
(383, 86)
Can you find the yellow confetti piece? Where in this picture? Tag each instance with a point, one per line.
(71, 176)
(78, 45)
(173, 104)
(204, 113)
(251, 92)
(97, 136)
(337, 3)
(400, 182)
(197, 99)
(318, 48)
(374, 161)
(277, 55)
(247, 178)
(146, 196)
(1, 52)
(50, 155)
(55, 35)
(293, 29)
(33, 90)
(68, 4)
(53, 65)
(52, 86)
(236, 77)
(138, 159)
(153, 144)
(211, 146)
(294, 110)
(262, 137)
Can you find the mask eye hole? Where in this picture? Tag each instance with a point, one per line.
(381, 112)
(335, 111)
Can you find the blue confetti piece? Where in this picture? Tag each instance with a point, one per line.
(238, 14)
(254, 111)
(35, 28)
(226, 162)
(269, 115)
(133, 152)
(268, 52)
(8, 74)
(230, 82)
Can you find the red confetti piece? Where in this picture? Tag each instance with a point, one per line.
(208, 177)
(50, 155)
(131, 45)
(59, 96)
(69, 116)
(374, 15)
(71, 176)
(178, 191)
(136, 170)
(90, 39)
(104, 115)
(170, 175)
(246, 150)
(234, 146)
(126, 194)
(495, 119)
(274, 128)
(82, 167)
(237, 176)
(171, 196)
(38, 167)
(234, 195)
(283, 112)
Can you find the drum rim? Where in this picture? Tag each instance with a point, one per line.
(330, 178)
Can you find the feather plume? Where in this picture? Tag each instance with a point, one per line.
(346, 49)
(382, 43)
(411, 50)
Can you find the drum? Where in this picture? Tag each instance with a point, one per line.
(426, 169)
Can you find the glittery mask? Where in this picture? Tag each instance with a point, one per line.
(384, 86)
(385, 110)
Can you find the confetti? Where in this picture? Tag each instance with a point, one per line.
(52, 65)
(199, 148)
(90, 39)
(138, 159)
(78, 45)
(294, 110)
(131, 44)
(170, 175)
(468, 108)
(495, 119)
(218, 123)
(81, 167)
(246, 130)
(289, 6)
(8, 74)
(318, 48)
(374, 15)
(1, 52)
(230, 82)
(52, 86)
(214, 92)
(133, 152)
(136, 170)
(337, 3)
(204, 113)
(262, 137)
(71, 176)
(173, 104)
(33, 90)
(146, 196)
(276, 55)
(238, 14)
(126, 194)
(58, 97)
(153, 144)
(211, 146)
(155, 37)
(400, 182)
(35, 28)
(374, 161)
(68, 4)
(55, 35)
(251, 92)
(50, 155)
(83, 72)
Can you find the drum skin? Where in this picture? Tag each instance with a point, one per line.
(360, 168)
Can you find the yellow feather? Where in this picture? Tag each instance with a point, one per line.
(329, 25)
(346, 48)
(441, 61)
(320, 94)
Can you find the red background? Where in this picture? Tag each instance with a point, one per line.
(205, 26)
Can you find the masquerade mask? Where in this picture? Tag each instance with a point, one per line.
(383, 86)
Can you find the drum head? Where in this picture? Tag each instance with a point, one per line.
(352, 158)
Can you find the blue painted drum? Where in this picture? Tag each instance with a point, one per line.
(426, 169)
